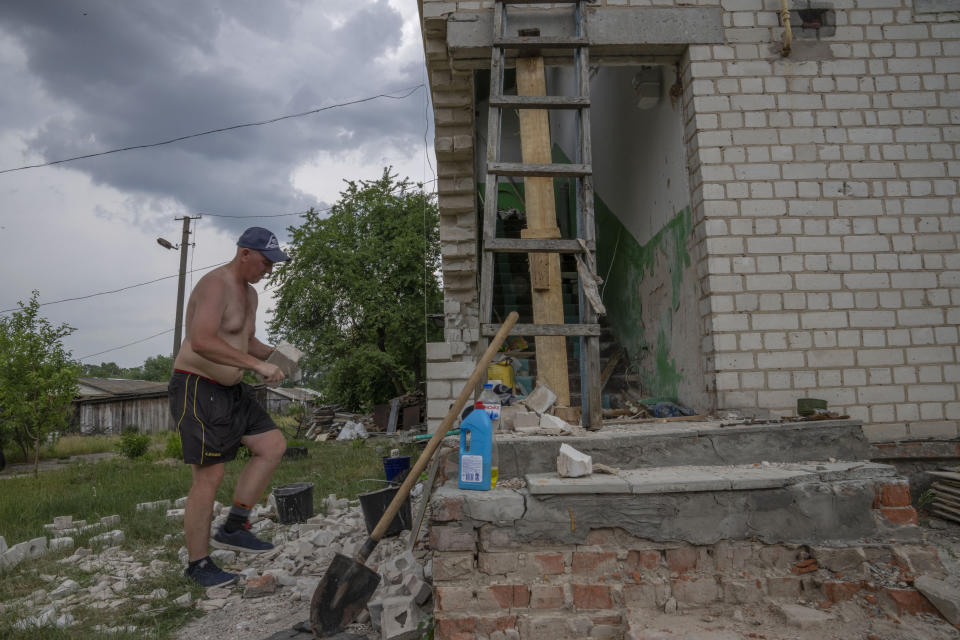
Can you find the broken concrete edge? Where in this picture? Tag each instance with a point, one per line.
(859, 507)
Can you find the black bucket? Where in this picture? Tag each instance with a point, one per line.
(374, 504)
(295, 453)
(294, 502)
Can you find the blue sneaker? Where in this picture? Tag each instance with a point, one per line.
(240, 540)
(207, 574)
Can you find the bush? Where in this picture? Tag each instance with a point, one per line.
(132, 443)
(173, 448)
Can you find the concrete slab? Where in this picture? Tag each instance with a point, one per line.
(552, 484)
(742, 478)
(675, 480)
(846, 470)
(614, 30)
(688, 443)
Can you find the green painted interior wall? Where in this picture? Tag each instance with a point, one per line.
(631, 280)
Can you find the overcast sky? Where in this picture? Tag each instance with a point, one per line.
(85, 77)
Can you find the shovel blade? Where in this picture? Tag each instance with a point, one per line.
(341, 595)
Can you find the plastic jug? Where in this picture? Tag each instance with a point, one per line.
(476, 442)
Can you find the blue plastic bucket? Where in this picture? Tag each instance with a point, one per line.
(394, 466)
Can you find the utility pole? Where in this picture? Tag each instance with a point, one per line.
(181, 284)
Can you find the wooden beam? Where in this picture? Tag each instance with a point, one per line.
(545, 330)
(542, 223)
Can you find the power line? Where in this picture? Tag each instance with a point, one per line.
(409, 92)
(103, 293)
(156, 335)
(270, 215)
(299, 213)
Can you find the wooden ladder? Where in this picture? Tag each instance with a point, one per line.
(581, 169)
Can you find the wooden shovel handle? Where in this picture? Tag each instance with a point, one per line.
(478, 373)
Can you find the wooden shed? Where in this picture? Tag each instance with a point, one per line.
(279, 399)
(108, 405)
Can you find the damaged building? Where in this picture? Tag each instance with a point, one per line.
(768, 226)
(765, 198)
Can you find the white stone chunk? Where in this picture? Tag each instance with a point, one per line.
(110, 521)
(399, 619)
(554, 425)
(66, 588)
(63, 522)
(175, 515)
(572, 463)
(420, 590)
(224, 556)
(944, 596)
(61, 544)
(541, 399)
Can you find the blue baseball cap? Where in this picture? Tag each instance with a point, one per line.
(263, 241)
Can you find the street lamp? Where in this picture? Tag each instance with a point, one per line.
(184, 243)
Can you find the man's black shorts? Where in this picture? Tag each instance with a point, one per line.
(211, 418)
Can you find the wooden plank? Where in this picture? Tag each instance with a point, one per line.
(541, 212)
(492, 191)
(610, 367)
(955, 513)
(531, 245)
(424, 501)
(947, 489)
(543, 276)
(540, 102)
(671, 419)
(594, 413)
(941, 501)
(545, 329)
(947, 475)
(394, 410)
(534, 169)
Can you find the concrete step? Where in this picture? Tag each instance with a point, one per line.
(797, 503)
(689, 479)
(671, 444)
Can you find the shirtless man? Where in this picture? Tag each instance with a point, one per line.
(215, 412)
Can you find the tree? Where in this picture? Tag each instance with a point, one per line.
(38, 380)
(158, 368)
(355, 295)
(104, 370)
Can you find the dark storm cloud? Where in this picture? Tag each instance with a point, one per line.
(130, 73)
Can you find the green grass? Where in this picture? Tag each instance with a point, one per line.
(73, 445)
(65, 447)
(91, 490)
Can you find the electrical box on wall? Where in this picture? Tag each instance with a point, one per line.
(813, 20)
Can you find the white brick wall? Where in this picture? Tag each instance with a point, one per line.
(844, 168)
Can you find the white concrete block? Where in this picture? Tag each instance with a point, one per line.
(61, 544)
(572, 463)
(541, 399)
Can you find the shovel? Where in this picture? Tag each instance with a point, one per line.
(348, 584)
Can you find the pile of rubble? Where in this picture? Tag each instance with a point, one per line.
(285, 577)
(326, 422)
